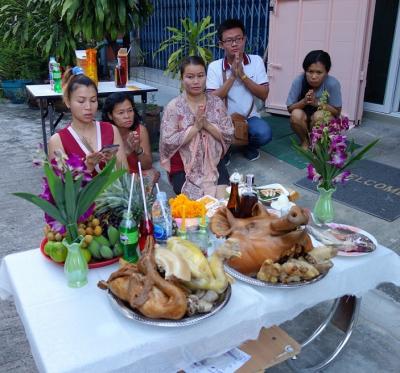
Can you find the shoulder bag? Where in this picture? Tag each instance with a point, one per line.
(241, 127)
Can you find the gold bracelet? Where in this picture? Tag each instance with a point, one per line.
(244, 77)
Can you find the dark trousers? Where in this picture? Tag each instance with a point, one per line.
(178, 179)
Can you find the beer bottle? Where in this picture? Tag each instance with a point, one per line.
(234, 198)
(248, 198)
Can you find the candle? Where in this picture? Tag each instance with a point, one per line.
(203, 215)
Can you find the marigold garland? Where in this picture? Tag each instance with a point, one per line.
(193, 208)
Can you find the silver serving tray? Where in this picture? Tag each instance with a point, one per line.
(128, 312)
(257, 282)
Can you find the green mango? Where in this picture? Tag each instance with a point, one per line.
(94, 248)
(101, 240)
(118, 249)
(58, 252)
(49, 247)
(106, 252)
(113, 235)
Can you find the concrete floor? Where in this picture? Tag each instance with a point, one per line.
(375, 343)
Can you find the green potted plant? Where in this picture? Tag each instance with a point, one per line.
(195, 38)
(59, 27)
(18, 67)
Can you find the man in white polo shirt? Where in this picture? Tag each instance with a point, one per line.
(240, 77)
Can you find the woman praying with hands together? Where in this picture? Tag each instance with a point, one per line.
(196, 132)
(306, 91)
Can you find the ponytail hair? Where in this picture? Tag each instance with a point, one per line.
(72, 79)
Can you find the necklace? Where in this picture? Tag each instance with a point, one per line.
(82, 138)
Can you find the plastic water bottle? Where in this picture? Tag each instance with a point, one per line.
(57, 78)
(52, 63)
(162, 220)
(129, 236)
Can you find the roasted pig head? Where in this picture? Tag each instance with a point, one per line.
(262, 236)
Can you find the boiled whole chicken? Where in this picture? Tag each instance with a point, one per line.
(144, 288)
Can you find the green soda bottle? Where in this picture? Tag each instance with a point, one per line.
(129, 235)
(57, 78)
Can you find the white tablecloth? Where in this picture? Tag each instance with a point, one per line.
(76, 330)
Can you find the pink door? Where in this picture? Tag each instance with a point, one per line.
(340, 27)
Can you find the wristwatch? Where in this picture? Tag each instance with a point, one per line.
(140, 151)
(244, 77)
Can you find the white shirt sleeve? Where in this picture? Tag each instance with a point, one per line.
(261, 76)
(214, 75)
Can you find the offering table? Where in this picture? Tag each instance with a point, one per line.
(77, 330)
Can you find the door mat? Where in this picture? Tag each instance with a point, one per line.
(373, 188)
(280, 126)
(281, 146)
(282, 149)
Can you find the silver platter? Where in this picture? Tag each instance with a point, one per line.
(257, 282)
(128, 312)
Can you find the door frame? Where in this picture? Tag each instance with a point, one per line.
(392, 90)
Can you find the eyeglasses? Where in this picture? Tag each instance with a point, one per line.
(237, 40)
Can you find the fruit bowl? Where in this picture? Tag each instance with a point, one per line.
(92, 264)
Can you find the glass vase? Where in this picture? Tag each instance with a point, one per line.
(323, 209)
(75, 266)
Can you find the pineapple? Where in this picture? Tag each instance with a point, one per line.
(111, 204)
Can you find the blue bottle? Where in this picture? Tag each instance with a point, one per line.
(161, 217)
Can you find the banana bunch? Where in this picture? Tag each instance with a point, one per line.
(205, 273)
(102, 248)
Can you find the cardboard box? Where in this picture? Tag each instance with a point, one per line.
(273, 346)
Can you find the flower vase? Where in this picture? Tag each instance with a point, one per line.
(323, 209)
(75, 266)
